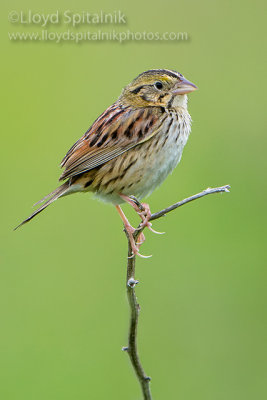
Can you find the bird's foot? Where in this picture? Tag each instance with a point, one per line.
(134, 242)
(144, 211)
(145, 215)
(135, 245)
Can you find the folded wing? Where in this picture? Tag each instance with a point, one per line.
(117, 130)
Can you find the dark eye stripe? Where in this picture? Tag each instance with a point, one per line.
(137, 90)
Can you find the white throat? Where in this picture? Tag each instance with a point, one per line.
(180, 101)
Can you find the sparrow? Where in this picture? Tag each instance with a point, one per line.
(131, 147)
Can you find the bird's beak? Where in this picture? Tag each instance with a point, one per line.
(184, 86)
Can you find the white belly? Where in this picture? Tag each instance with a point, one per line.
(164, 162)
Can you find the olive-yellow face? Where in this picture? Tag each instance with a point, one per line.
(159, 87)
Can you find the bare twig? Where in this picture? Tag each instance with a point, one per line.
(131, 282)
(132, 336)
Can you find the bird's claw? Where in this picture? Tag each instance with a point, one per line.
(153, 230)
(142, 256)
(134, 253)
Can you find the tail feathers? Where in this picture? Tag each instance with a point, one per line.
(47, 196)
(60, 191)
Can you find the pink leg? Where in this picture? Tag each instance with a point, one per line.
(130, 230)
(145, 214)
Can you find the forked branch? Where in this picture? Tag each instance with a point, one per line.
(131, 282)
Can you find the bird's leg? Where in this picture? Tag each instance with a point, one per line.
(143, 210)
(130, 230)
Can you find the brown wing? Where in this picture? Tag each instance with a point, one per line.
(117, 130)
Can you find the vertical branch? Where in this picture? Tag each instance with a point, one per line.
(131, 349)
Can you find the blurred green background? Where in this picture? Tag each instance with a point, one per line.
(64, 313)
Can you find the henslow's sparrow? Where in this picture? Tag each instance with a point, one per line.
(132, 147)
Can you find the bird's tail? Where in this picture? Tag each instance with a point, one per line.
(60, 191)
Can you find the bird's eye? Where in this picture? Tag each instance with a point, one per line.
(158, 85)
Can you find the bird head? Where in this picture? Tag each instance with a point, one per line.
(158, 87)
